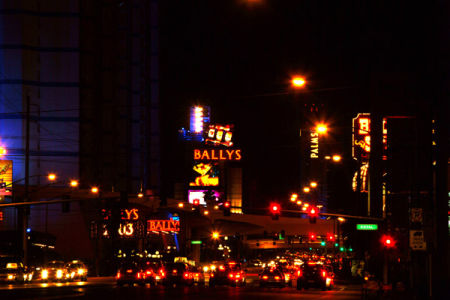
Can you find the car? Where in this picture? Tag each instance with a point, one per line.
(152, 271)
(198, 275)
(130, 272)
(272, 277)
(314, 274)
(54, 271)
(77, 270)
(178, 273)
(12, 270)
(230, 273)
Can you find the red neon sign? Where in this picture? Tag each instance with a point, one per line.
(163, 225)
(217, 154)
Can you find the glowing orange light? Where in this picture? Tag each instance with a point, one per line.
(2, 151)
(215, 235)
(306, 189)
(337, 158)
(74, 183)
(181, 205)
(294, 197)
(321, 128)
(51, 176)
(313, 184)
(206, 212)
(299, 202)
(94, 190)
(298, 82)
(140, 195)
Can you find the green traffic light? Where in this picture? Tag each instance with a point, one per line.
(336, 244)
(350, 249)
(341, 249)
(322, 243)
(310, 248)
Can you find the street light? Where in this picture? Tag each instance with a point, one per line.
(51, 176)
(215, 235)
(140, 195)
(74, 183)
(94, 190)
(306, 189)
(321, 128)
(337, 158)
(294, 197)
(298, 82)
(181, 205)
(313, 184)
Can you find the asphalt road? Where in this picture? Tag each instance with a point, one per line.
(105, 288)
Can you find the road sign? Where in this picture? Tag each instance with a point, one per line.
(416, 215)
(366, 226)
(417, 240)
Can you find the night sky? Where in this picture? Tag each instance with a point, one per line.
(239, 58)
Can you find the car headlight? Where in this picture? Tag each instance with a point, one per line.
(10, 277)
(44, 274)
(81, 271)
(59, 274)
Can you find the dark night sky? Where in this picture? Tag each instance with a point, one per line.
(238, 59)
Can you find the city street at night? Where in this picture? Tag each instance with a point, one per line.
(224, 149)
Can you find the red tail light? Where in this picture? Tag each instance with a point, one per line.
(277, 277)
(149, 272)
(324, 274)
(221, 268)
(238, 275)
(299, 273)
(118, 275)
(138, 275)
(265, 277)
(186, 275)
(231, 275)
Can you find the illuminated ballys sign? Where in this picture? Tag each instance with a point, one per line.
(219, 135)
(163, 225)
(217, 154)
(208, 176)
(361, 136)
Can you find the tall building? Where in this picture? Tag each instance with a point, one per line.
(87, 73)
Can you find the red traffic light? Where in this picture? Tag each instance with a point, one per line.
(388, 241)
(313, 211)
(330, 237)
(312, 236)
(196, 202)
(226, 204)
(275, 208)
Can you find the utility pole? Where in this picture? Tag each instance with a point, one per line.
(23, 211)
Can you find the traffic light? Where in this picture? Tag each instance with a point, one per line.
(330, 237)
(196, 205)
(312, 236)
(323, 243)
(281, 235)
(388, 241)
(313, 212)
(275, 210)
(226, 208)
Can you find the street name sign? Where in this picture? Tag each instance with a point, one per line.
(366, 226)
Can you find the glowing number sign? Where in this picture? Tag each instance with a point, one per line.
(217, 154)
(163, 225)
(126, 229)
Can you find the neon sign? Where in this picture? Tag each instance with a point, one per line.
(6, 177)
(220, 135)
(361, 136)
(199, 116)
(163, 225)
(208, 175)
(217, 154)
(126, 229)
(314, 144)
(131, 214)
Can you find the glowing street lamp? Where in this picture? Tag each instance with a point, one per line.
(337, 158)
(321, 128)
(299, 202)
(74, 183)
(298, 82)
(94, 190)
(51, 176)
(140, 195)
(313, 184)
(181, 205)
(306, 189)
(215, 235)
(294, 197)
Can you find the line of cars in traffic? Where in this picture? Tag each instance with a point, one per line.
(308, 274)
(12, 270)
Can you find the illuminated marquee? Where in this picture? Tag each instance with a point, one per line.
(131, 214)
(6, 167)
(361, 136)
(219, 135)
(199, 116)
(217, 154)
(208, 175)
(163, 225)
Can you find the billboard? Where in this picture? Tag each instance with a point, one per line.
(200, 195)
(220, 135)
(361, 136)
(6, 167)
(206, 174)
